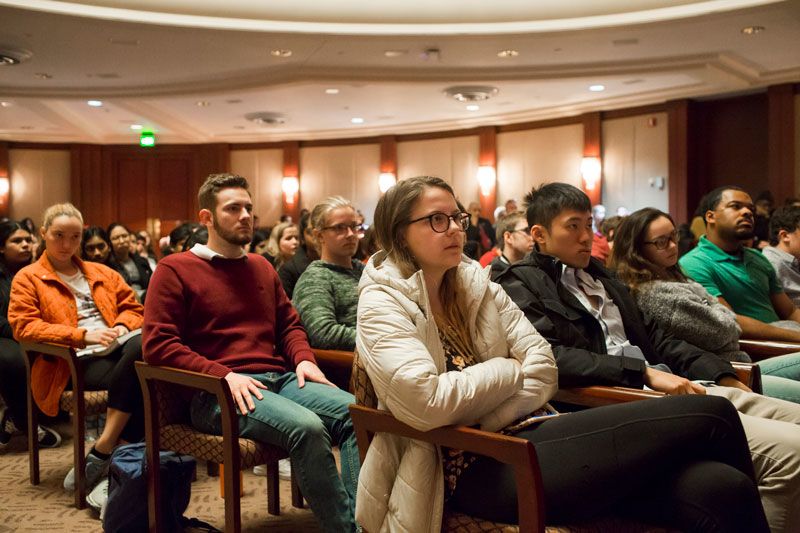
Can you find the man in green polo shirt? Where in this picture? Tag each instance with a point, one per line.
(739, 276)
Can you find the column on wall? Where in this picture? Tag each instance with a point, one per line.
(5, 181)
(681, 198)
(781, 164)
(591, 179)
(487, 171)
(291, 179)
(388, 163)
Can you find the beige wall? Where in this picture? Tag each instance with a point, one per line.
(349, 171)
(532, 157)
(634, 155)
(264, 171)
(455, 160)
(39, 178)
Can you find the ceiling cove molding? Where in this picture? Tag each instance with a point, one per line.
(283, 76)
(693, 9)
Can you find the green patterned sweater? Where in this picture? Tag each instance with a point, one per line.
(326, 297)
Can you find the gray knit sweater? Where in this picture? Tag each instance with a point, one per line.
(687, 311)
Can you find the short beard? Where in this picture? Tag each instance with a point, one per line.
(230, 236)
(734, 234)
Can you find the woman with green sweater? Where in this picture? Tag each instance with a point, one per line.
(326, 295)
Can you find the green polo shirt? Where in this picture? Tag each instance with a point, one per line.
(746, 280)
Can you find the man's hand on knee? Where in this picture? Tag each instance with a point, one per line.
(307, 370)
(243, 388)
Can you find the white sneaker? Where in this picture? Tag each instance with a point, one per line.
(99, 496)
(284, 469)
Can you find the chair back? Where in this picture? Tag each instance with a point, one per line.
(360, 384)
(173, 403)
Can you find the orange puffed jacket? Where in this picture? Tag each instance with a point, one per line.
(43, 309)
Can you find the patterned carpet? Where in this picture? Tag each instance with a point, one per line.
(48, 507)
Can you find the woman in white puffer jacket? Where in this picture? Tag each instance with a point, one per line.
(443, 345)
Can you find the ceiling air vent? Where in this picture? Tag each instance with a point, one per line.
(13, 56)
(266, 118)
(471, 93)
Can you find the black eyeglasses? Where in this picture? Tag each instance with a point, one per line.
(440, 222)
(341, 229)
(662, 243)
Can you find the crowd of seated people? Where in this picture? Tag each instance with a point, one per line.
(569, 300)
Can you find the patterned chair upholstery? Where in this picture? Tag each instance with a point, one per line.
(455, 522)
(93, 403)
(166, 394)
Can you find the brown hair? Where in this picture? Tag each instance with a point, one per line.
(207, 196)
(507, 224)
(627, 258)
(391, 219)
(319, 216)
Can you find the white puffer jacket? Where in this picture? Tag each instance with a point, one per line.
(401, 484)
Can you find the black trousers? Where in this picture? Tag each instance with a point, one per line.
(679, 461)
(115, 372)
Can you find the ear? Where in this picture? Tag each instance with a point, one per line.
(539, 234)
(783, 236)
(205, 217)
(709, 216)
(42, 232)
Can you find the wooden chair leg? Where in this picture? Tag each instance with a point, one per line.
(33, 425)
(79, 453)
(297, 496)
(233, 503)
(212, 469)
(273, 489)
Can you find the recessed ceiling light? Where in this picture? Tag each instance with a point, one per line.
(597, 88)
(136, 126)
(331, 91)
(357, 120)
(473, 107)
(395, 53)
(94, 103)
(202, 103)
(752, 30)
(281, 52)
(471, 93)
(43, 75)
(6, 104)
(507, 53)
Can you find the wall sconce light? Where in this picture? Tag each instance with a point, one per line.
(290, 186)
(5, 187)
(591, 169)
(486, 179)
(386, 180)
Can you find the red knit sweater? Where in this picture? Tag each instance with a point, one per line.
(221, 315)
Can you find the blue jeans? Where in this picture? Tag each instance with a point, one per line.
(306, 422)
(780, 376)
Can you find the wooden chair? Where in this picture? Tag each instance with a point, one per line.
(760, 350)
(596, 396)
(337, 365)
(165, 391)
(78, 402)
(520, 454)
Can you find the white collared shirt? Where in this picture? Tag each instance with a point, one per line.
(594, 298)
(204, 252)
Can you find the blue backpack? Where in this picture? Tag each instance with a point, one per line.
(126, 509)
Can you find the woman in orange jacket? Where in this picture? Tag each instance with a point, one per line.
(63, 300)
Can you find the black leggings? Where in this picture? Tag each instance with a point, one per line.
(680, 461)
(115, 372)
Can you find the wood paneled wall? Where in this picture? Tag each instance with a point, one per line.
(142, 186)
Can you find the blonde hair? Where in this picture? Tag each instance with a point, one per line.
(391, 219)
(57, 210)
(274, 243)
(319, 215)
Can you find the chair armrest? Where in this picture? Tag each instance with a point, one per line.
(334, 358)
(519, 453)
(597, 396)
(62, 351)
(749, 374)
(758, 350)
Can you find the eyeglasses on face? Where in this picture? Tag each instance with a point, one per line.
(341, 229)
(440, 222)
(662, 243)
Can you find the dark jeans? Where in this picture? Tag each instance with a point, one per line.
(12, 382)
(681, 461)
(115, 372)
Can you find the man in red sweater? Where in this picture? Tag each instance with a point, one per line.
(218, 310)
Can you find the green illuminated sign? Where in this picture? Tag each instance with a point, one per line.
(147, 139)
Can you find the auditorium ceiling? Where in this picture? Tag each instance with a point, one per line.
(314, 69)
